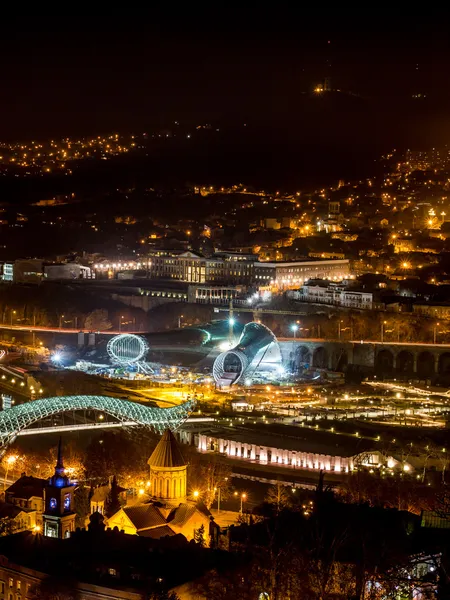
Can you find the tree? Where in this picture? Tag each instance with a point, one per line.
(278, 496)
(97, 320)
(112, 504)
(82, 505)
(208, 478)
(199, 535)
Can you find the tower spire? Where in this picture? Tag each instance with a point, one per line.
(59, 469)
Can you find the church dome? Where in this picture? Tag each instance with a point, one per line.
(167, 453)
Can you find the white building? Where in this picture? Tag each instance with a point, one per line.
(325, 292)
(7, 271)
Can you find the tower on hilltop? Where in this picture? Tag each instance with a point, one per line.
(59, 514)
(168, 470)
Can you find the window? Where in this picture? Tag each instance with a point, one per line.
(52, 503)
(112, 572)
(2, 587)
(11, 582)
(66, 501)
(18, 584)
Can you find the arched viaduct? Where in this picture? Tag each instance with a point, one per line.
(408, 359)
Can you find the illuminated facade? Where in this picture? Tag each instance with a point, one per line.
(293, 274)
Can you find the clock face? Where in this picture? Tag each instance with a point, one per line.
(52, 503)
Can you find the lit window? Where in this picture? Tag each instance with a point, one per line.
(52, 503)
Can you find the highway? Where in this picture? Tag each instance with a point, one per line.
(31, 328)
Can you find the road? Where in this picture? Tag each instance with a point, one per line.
(31, 328)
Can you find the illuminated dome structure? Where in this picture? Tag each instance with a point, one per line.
(127, 348)
(256, 352)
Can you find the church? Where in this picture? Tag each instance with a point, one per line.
(168, 511)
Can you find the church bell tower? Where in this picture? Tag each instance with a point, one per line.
(59, 514)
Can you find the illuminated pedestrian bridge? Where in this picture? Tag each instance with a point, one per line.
(22, 416)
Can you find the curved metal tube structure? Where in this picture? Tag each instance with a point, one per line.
(22, 416)
(254, 337)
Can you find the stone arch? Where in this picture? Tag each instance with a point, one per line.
(405, 362)
(425, 365)
(304, 357)
(384, 362)
(320, 358)
(444, 364)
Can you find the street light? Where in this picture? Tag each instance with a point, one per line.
(435, 332)
(294, 328)
(61, 317)
(13, 312)
(120, 323)
(179, 321)
(218, 496)
(196, 494)
(243, 499)
(383, 323)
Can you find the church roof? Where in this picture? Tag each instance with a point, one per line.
(182, 513)
(157, 532)
(144, 516)
(167, 453)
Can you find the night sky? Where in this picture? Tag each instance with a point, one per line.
(81, 75)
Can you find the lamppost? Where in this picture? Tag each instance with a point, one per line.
(383, 323)
(120, 323)
(13, 312)
(294, 328)
(435, 332)
(231, 322)
(243, 499)
(61, 317)
(218, 496)
(9, 463)
(179, 321)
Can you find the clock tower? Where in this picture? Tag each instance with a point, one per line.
(59, 514)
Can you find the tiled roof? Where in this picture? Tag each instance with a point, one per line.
(181, 515)
(167, 453)
(157, 532)
(26, 487)
(10, 510)
(144, 516)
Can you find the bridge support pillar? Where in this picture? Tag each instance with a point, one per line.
(394, 361)
(80, 339)
(436, 364)
(330, 362)
(415, 363)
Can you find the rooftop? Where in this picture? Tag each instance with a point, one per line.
(26, 487)
(167, 453)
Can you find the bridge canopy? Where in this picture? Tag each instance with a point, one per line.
(21, 416)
